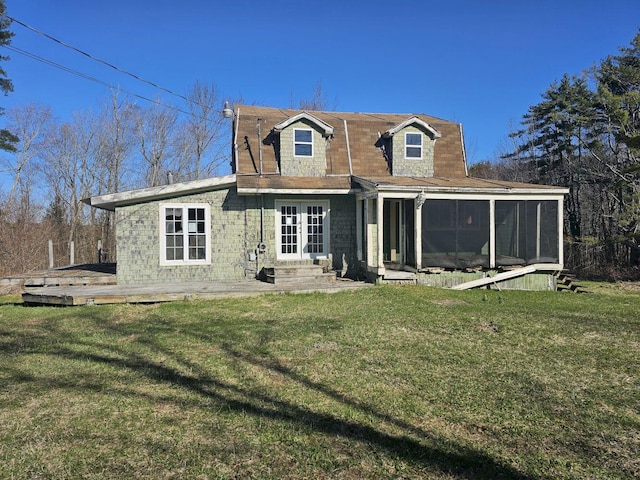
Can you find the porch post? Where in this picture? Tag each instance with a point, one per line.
(492, 233)
(380, 215)
(418, 229)
(359, 227)
(367, 223)
(561, 232)
(538, 228)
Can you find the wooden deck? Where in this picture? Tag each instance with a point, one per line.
(109, 294)
(74, 275)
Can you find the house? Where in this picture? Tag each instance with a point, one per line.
(375, 196)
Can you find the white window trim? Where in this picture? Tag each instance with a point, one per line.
(302, 143)
(163, 237)
(407, 146)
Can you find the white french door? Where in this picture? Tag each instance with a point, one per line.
(302, 229)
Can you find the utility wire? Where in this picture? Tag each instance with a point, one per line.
(104, 62)
(88, 77)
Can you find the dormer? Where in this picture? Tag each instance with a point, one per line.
(303, 142)
(411, 150)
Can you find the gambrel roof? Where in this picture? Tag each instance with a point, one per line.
(355, 146)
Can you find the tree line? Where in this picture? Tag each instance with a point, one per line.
(585, 135)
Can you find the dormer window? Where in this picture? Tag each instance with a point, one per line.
(412, 145)
(303, 142)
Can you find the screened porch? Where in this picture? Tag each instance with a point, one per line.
(400, 230)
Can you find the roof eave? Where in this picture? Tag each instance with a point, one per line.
(297, 191)
(111, 201)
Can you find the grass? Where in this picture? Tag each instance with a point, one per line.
(388, 382)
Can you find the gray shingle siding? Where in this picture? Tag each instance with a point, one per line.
(235, 234)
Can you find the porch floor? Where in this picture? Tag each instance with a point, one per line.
(109, 294)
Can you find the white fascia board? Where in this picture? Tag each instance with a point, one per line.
(412, 121)
(328, 129)
(457, 191)
(297, 191)
(112, 200)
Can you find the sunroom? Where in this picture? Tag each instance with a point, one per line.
(465, 225)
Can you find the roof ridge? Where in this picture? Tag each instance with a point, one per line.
(335, 113)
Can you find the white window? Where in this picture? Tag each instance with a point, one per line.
(185, 234)
(302, 142)
(412, 145)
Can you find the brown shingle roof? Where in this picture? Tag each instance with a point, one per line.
(363, 131)
(247, 183)
(458, 183)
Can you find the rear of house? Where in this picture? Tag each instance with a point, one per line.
(361, 195)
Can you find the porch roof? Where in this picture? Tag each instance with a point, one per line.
(453, 185)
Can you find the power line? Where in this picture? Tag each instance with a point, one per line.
(51, 63)
(99, 60)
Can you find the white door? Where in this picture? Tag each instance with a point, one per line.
(302, 230)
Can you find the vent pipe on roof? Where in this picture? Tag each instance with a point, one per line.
(259, 145)
(346, 134)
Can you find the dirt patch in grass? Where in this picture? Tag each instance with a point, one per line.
(489, 327)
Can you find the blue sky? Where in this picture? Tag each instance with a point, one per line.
(481, 63)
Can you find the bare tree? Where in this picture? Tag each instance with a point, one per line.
(28, 124)
(69, 170)
(154, 128)
(21, 231)
(115, 141)
(201, 141)
(318, 100)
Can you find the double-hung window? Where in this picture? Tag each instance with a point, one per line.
(185, 237)
(302, 142)
(412, 145)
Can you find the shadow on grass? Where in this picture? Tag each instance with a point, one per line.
(412, 444)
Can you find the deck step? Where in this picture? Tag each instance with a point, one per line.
(295, 274)
(566, 283)
(399, 277)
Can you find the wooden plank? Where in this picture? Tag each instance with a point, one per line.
(499, 277)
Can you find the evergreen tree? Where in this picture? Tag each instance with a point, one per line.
(619, 94)
(619, 90)
(586, 137)
(557, 132)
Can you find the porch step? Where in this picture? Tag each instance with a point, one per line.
(290, 274)
(566, 283)
(399, 277)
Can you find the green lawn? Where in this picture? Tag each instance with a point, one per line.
(386, 382)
